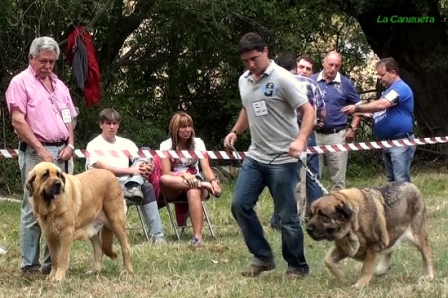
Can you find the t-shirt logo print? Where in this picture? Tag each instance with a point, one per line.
(338, 88)
(269, 89)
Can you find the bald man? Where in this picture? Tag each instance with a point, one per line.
(338, 91)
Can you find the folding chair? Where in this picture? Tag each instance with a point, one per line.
(182, 215)
(139, 207)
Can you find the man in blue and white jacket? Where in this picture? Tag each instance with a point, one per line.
(393, 118)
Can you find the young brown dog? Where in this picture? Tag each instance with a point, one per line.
(367, 223)
(69, 207)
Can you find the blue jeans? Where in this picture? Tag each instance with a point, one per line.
(30, 231)
(150, 207)
(281, 180)
(313, 191)
(398, 163)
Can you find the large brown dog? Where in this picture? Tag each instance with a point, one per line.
(78, 207)
(367, 223)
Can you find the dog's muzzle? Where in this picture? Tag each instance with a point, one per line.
(319, 235)
(53, 191)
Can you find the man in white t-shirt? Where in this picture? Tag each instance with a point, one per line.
(106, 151)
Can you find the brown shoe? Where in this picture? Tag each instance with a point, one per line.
(45, 270)
(27, 272)
(294, 273)
(256, 270)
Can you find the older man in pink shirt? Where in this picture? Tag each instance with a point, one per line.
(41, 110)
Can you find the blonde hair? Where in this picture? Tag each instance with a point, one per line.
(181, 119)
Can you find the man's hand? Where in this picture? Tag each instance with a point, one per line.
(297, 148)
(230, 140)
(350, 109)
(146, 168)
(66, 153)
(45, 155)
(319, 123)
(349, 135)
(216, 188)
(138, 169)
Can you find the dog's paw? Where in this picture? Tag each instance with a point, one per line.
(56, 278)
(426, 277)
(360, 284)
(126, 272)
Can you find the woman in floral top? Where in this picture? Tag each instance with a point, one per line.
(181, 177)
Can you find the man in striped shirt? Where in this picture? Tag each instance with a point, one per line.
(302, 68)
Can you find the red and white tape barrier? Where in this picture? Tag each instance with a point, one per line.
(224, 155)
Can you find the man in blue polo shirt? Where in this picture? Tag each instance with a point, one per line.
(338, 91)
(393, 118)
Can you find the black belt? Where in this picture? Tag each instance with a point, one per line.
(330, 130)
(402, 136)
(23, 145)
(56, 144)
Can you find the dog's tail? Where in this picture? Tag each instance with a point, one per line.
(107, 238)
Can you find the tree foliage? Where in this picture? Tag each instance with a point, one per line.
(158, 57)
(161, 56)
(419, 48)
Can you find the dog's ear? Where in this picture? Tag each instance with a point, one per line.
(344, 211)
(63, 180)
(29, 182)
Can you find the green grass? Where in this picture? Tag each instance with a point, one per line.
(176, 270)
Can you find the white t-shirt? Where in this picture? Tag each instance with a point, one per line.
(185, 165)
(117, 158)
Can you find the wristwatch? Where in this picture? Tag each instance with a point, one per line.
(357, 109)
(353, 128)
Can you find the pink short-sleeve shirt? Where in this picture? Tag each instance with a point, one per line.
(41, 108)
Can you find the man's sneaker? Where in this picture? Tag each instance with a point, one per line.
(294, 273)
(133, 194)
(3, 250)
(256, 270)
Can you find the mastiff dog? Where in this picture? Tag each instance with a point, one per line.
(70, 207)
(367, 224)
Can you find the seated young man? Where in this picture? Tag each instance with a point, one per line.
(130, 177)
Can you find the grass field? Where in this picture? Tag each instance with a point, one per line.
(177, 270)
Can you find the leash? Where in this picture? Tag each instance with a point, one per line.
(314, 177)
(237, 155)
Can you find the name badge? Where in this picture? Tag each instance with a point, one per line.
(260, 108)
(66, 117)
